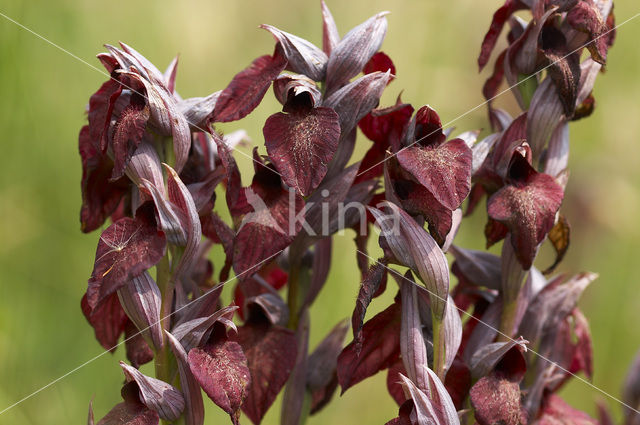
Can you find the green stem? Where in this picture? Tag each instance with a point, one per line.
(162, 358)
(507, 319)
(439, 349)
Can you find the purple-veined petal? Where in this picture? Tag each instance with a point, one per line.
(323, 360)
(330, 36)
(196, 331)
(478, 267)
(302, 56)
(141, 300)
(198, 110)
(586, 17)
(247, 88)
(180, 196)
(412, 245)
(287, 87)
(167, 214)
(486, 358)
(301, 145)
(434, 405)
(194, 407)
(157, 395)
(355, 100)
(145, 164)
(412, 345)
(354, 51)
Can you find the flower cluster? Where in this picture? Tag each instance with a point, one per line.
(152, 162)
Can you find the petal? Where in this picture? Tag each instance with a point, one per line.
(196, 332)
(157, 395)
(380, 348)
(221, 370)
(247, 88)
(330, 36)
(198, 110)
(445, 171)
(380, 62)
(271, 355)
(319, 269)
(100, 196)
(557, 410)
(194, 408)
(355, 100)
(126, 248)
(478, 267)
(108, 320)
(486, 359)
(436, 407)
(528, 209)
(302, 56)
(499, 18)
(412, 345)
(142, 301)
(138, 351)
(416, 249)
(296, 90)
(101, 105)
(586, 17)
(301, 145)
(371, 282)
(354, 51)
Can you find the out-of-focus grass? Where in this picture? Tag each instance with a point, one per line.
(45, 260)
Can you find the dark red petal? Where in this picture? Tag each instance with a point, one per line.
(130, 413)
(101, 106)
(490, 87)
(219, 232)
(384, 127)
(370, 285)
(354, 51)
(301, 145)
(271, 355)
(496, 399)
(247, 88)
(444, 170)
(380, 348)
(428, 128)
(586, 17)
(269, 223)
(528, 209)
(108, 320)
(127, 135)
(394, 383)
(100, 196)
(380, 62)
(127, 248)
(499, 18)
(564, 68)
(138, 351)
(221, 370)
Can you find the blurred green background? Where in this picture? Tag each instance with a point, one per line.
(45, 260)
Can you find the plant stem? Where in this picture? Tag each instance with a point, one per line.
(439, 349)
(162, 359)
(507, 320)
